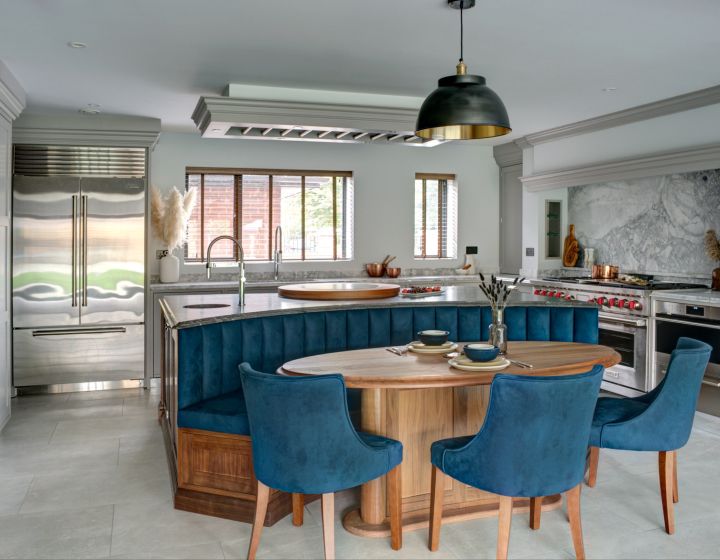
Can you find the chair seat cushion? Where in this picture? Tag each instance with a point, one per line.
(609, 410)
(438, 448)
(224, 413)
(394, 448)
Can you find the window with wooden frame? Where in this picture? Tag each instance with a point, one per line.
(435, 216)
(314, 209)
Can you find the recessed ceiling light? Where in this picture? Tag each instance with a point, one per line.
(610, 89)
(91, 109)
(77, 45)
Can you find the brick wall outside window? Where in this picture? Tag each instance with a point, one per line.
(313, 208)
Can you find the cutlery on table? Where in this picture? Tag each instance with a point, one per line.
(520, 364)
(399, 350)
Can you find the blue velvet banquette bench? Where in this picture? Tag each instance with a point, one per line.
(213, 444)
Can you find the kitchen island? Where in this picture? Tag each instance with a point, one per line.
(202, 407)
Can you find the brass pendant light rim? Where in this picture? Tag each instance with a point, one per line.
(463, 132)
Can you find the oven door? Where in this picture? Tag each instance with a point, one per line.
(628, 337)
(667, 332)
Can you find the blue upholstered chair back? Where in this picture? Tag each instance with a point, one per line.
(208, 355)
(303, 440)
(534, 438)
(666, 423)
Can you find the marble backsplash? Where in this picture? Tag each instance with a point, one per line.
(653, 225)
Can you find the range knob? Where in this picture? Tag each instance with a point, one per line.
(612, 302)
(551, 294)
(623, 303)
(568, 297)
(537, 291)
(601, 300)
(559, 294)
(635, 305)
(543, 293)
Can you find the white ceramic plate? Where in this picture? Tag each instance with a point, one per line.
(433, 349)
(418, 344)
(423, 294)
(468, 365)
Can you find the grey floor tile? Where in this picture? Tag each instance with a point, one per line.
(12, 492)
(205, 551)
(74, 457)
(155, 527)
(100, 428)
(146, 448)
(73, 533)
(120, 486)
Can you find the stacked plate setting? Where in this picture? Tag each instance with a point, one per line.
(464, 363)
(420, 348)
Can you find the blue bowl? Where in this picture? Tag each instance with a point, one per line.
(433, 337)
(481, 352)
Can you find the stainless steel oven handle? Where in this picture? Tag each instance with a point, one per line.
(691, 323)
(712, 381)
(606, 317)
(66, 332)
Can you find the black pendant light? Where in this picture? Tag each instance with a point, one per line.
(462, 107)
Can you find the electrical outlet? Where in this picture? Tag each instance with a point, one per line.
(160, 253)
(529, 251)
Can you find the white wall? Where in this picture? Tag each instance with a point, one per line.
(686, 129)
(12, 101)
(534, 229)
(384, 190)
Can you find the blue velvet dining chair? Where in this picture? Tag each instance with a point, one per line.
(303, 442)
(659, 421)
(532, 444)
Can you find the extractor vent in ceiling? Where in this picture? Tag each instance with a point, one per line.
(230, 117)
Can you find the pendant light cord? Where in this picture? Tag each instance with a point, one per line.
(461, 33)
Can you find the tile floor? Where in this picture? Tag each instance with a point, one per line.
(83, 475)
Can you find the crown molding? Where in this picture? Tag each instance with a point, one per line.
(660, 163)
(104, 130)
(679, 103)
(11, 103)
(508, 154)
(226, 111)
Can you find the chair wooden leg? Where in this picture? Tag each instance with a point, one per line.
(665, 467)
(437, 493)
(676, 496)
(261, 503)
(328, 523)
(504, 522)
(394, 496)
(573, 509)
(298, 505)
(593, 459)
(535, 510)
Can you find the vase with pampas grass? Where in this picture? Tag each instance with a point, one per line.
(712, 247)
(169, 216)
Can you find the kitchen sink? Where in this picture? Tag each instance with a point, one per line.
(206, 305)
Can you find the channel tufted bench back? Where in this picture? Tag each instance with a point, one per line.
(208, 355)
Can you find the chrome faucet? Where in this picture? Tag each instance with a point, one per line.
(241, 262)
(277, 259)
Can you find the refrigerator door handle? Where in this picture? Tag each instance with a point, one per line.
(74, 257)
(65, 332)
(84, 252)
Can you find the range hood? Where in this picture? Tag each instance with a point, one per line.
(299, 115)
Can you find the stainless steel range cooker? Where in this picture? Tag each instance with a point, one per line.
(624, 320)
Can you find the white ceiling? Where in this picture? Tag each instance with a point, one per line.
(549, 60)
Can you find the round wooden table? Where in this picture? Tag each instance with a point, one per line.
(418, 399)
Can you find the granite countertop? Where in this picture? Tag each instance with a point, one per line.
(251, 285)
(703, 296)
(266, 304)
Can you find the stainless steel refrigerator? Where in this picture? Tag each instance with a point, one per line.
(78, 265)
